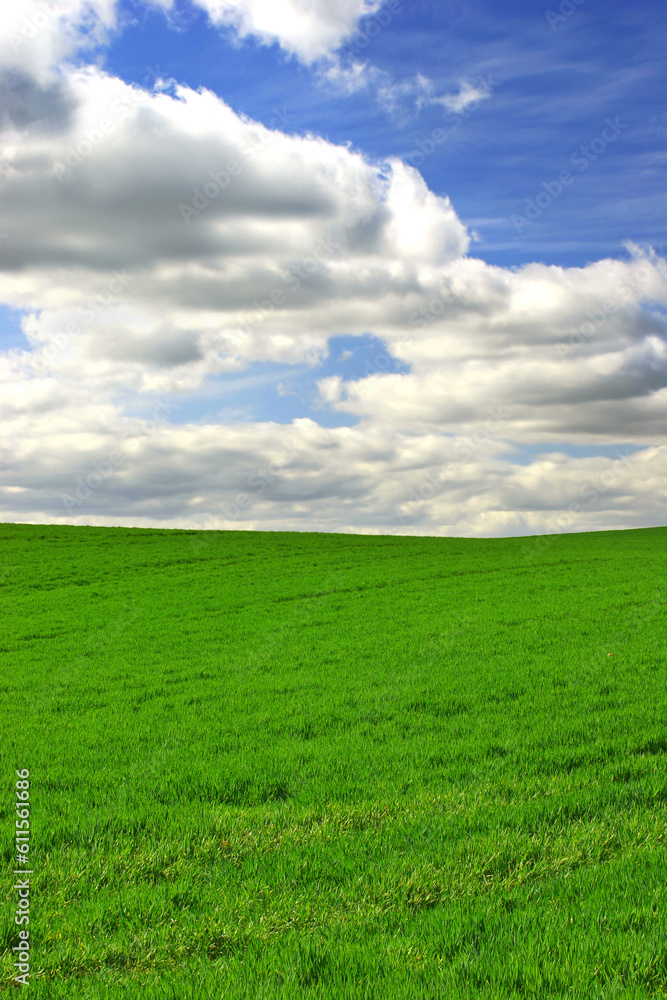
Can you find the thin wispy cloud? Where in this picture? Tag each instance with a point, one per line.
(468, 96)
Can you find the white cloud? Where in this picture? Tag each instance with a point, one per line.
(36, 35)
(570, 354)
(146, 202)
(308, 29)
(296, 241)
(468, 95)
(92, 465)
(402, 99)
(351, 77)
(316, 30)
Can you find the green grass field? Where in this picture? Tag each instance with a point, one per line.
(290, 765)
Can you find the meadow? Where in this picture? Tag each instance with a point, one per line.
(285, 765)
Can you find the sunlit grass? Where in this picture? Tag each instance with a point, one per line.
(285, 765)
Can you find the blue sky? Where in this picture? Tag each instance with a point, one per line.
(492, 178)
(554, 82)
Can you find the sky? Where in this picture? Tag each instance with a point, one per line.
(361, 266)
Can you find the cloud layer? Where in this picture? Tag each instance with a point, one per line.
(156, 241)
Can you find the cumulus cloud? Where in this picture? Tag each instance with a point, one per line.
(37, 35)
(246, 238)
(570, 353)
(308, 29)
(158, 240)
